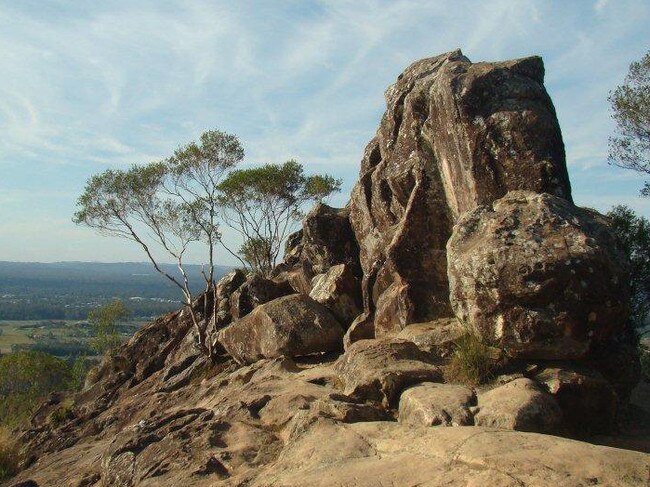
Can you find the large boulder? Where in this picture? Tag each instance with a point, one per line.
(294, 326)
(588, 401)
(455, 135)
(256, 290)
(430, 404)
(339, 290)
(437, 337)
(538, 275)
(328, 239)
(379, 370)
(519, 405)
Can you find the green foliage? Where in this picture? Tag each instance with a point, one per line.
(630, 103)
(472, 362)
(9, 454)
(78, 372)
(170, 205)
(644, 355)
(634, 235)
(63, 413)
(264, 203)
(257, 252)
(25, 379)
(104, 321)
(202, 162)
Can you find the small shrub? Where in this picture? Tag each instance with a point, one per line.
(8, 455)
(472, 362)
(63, 413)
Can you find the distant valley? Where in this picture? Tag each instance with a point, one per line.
(68, 290)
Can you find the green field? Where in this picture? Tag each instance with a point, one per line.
(63, 338)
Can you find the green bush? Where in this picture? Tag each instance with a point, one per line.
(25, 379)
(9, 455)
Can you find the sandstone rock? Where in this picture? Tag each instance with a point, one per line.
(225, 288)
(379, 370)
(455, 135)
(339, 290)
(431, 404)
(437, 337)
(385, 453)
(538, 275)
(519, 405)
(362, 328)
(588, 401)
(346, 410)
(328, 239)
(256, 290)
(294, 325)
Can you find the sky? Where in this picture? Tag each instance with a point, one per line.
(87, 86)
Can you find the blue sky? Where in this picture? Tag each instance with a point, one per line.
(91, 85)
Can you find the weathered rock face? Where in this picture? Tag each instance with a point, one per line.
(437, 337)
(379, 370)
(385, 453)
(537, 275)
(254, 291)
(455, 135)
(326, 240)
(430, 404)
(294, 325)
(519, 405)
(274, 407)
(339, 289)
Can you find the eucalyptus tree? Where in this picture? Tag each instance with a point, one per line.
(194, 173)
(630, 103)
(263, 204)
(167, 206)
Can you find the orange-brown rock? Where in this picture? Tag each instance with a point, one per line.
(294, 326)
(455, 135)
(538, 275)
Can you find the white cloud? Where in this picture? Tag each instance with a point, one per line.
(600, 5)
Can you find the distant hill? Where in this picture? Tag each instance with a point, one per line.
(133, 278)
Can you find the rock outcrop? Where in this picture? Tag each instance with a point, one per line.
(455, 135)
(537, 275)
(339, 289)
(326, 240)
(380, 369)
(430, 404)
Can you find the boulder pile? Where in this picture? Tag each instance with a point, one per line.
(335, 368)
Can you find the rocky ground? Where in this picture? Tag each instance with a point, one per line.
(379, 414)
(340, 368)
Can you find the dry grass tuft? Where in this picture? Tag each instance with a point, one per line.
(473, 362)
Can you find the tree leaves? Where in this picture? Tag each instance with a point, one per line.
(263, 204)
(630, 103)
